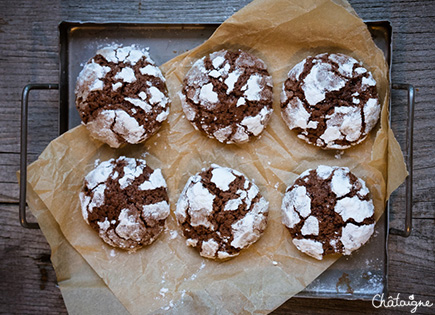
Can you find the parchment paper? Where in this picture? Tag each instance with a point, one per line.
(169, 277)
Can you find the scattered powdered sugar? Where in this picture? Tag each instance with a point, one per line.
(163, 291)
(112, 253)
(173, 234)
(339, 154)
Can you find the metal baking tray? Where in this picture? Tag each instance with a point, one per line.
(359, 276)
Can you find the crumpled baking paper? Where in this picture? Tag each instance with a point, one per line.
(168, 276)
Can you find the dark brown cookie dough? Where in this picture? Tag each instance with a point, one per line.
(330, 100)
(221, 212)
(228, 95)
(328, 210)
(126, 202)
(121, 96)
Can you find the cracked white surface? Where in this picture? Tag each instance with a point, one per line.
(116, 126)
(202, 92)
(297, 212)
(345, 123)
(196, 201)
(128, 230)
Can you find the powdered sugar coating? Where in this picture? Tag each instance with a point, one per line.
(124, 215)
(228, 95)
(330, 100)
(221, 212)
(328, 210)
(121, 95)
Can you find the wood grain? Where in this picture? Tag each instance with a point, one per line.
(29, 54)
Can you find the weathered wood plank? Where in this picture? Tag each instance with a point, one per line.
(28, 279)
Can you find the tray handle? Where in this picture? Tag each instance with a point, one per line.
(409, 160)
(23, 150)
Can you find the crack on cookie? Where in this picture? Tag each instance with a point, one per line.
(323, 202)
(352, 94)
(109, 98)
(130, 199)
(219, 223)
(225, 113)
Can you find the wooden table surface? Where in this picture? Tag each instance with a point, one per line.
(29, 54)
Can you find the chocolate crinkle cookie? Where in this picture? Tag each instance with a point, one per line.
(121, 96)
(328, 210)
(126, 202)
(221, 212)
(228, 95)
(330, 100)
